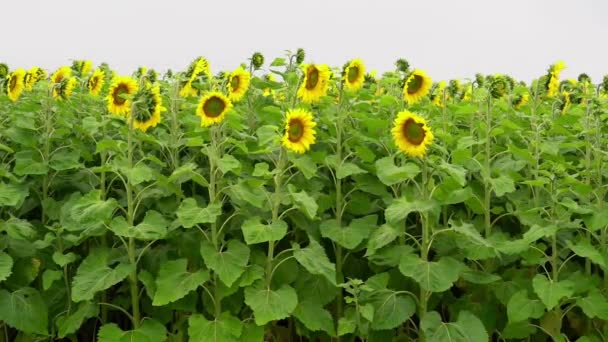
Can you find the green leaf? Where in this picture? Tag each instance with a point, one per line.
(262, 170)
(305, 164)
(153, 227)
(12, 195)
(520, 307)
(252, 333)
(256, 232)
(229, 163)
(6, 266)
(225, 328)
(594, 305)
(401, 207)
(303, 201)
(270, 305)
(389, 174)
(250, 192)
(230, 263)
(434, 276)
(348, 169)
(90, 210)
(351, 236)
(502, 185)
(346, 325)
(456, 171)
(139, 174)
(479, 277)
(314, 260)
(24, 310)
(29, 162)
(49, 277)
(586, 250)
(64, 259)
(175, 282)
(149, 331)
(467, 328)
(314, 317)
(596, 221)
(18, 229)
(391, 309)
(65, 160)
(190, 214)
(381, 237)
(69, 325)
(94, 275)
(551, 292)
(188, 172)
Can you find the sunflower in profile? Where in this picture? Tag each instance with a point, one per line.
(95, 82)
(564, 101)
(147, 107)
(520, 100)
(299, 130)
(60, 74)
(354, 74)
(268, 91)
(65, 88)
(29, 79)
(417, 85)
(467, 94)
(120, 95)
(238, 83)
(212, 108)
(437, 94)
(40, 73)
(15, 84)
(411, 134)
(553, 78)
(315, 84)
(198, 67)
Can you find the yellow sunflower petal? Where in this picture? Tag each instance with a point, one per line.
(15, 84)
(411, 134)
(354, 74)
(315, 83)
(299, 131)
(120, 95)
(416, 86)
(212, 108)
(238, 83)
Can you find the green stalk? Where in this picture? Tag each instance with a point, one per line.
(212, 198)
(174, 126)
(424, 249)
(131, 245)
(487, 165)
(339, 205)
(588, 166)
(276, 203)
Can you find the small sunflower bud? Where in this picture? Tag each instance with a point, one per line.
(257, 60)
(3, 71)
(300, 56)
(584, 78)
(499, 86)
(402, 65)
(169, 74)
(453, 88)
(604, 85)
(479, 80)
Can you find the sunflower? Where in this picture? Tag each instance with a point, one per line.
(564, 101)
(119, 96)
(417, 85)
(30, 78)
(14, 84)
(299, 130)
(95, 82)
(520, 100)
(238, 83)
(81, 67)
(411, 134)
(198, 67)
(354, 74)
(147, 107)
(467, 95)
(553, 82)
(65, 88)
(212, 108)
(437, 94)
(269, 91)
(315, 84)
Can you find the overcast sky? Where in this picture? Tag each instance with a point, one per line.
(447, 38)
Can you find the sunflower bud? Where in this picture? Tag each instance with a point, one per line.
(169, 74)
(152, 75)
(257, 60)
(498, 86)
(604, 85)
(584, 78)
(454, 88)
(402, 65)
(479, 80)
(300, 55)
(3, 71)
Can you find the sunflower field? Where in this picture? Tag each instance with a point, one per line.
(294, 201)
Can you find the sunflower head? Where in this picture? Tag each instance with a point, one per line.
(30, 78)
(411, 134)
(121, 94)
(299, 130)
(557, 68)
(82, 67)
(564, 101)
(315, 83)
(402, 65)
(60, 74)
(147, 107)
(15, 84)
(520, 100)
(353, 74)
(191, 82)
(454, 88)
(65, 89)
(95, 82)
(498, 86)
(151, 76)
(212, 108)
(300, 56)
(238, 83)
(604, 84)
(257, 60)
(416, 86)
(140, 72)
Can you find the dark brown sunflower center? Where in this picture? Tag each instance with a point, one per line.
(353, 74)
(234, 83)
(93, 82)
(415, 84)
(214, 107)
(296, 130)
(312, 78)
(413, 132)
(12, 84)
(119, 94)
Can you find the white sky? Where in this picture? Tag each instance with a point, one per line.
(447, 38)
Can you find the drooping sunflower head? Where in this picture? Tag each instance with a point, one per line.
(411, 134)
(269, 91)
(151, 76)
(140, 72)
(40, 74)
(402, 65)
(552, 81)
(147, 107)
(95, 82)
(467, 94)
(65, 89)
(31, 77)
(557, 68)
(353, 75)
(299, 131)
(238, 83)
(15, 84)
(212, 108)
(197, 68)
(520, 100)
(564, 101)
(121, 94)
(60, 74)
(82, 67)
(416, 86)
(315, 83)
(300, 56)
(454, 88)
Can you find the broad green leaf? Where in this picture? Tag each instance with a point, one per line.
(153, 227)
(12, 195)
(346, 325)
(305, 164)
(251, 274)
(138, 174)
(190, 214)
(95, 274)
(352, 235)
(267, 135)
(479, 277)
(230, 263)
(188, 172)
(270, 305)
(520, 308)
(347, 169)
(596, 221)
(502, 185)
(91, 210)
(314, 317)
(229, 163)
(401, 207)
(49, 277)
(458, 172)
(537, 232)
(29, 162)
(24, 310)
(256, 232)
(381, 237)
(467, 328)
(303, 201)
(64, 259)
(69, 325)
(389, 174)
(434, 276)
(6, 266)
(225, 328)
(250, 192)
(18, 229)
(594, 305)
(551, 292)
(391, 309)
(174, 281)
(252, 333)
(149, 331)
(586, 250)
(65, 160)
(314, 260)
(262, 170)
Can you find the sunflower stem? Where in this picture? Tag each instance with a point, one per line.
(130, 219)
(212, 199)
(276, 203)
(488, 171)
(588, 168)
(339, 204)
(424, 248)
